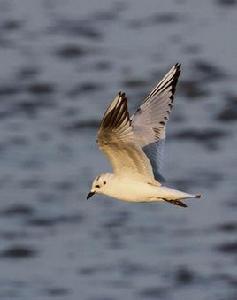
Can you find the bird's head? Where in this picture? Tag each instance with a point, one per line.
(99, 185)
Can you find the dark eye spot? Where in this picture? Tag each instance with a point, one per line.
(104, 182)
(97, 186)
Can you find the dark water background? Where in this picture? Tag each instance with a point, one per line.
(61, 63)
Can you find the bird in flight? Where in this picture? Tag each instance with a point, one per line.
(134, 147)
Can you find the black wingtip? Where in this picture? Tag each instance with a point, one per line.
(177, 67)
(175, 79)
(117, 114)
(122, 95)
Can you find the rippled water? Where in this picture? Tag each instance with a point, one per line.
(61, 63)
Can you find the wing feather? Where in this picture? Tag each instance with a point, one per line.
(150, 119)
(117, 141)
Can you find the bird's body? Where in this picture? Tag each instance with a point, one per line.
(134, 147)
(134, 190)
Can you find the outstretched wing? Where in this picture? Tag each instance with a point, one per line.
(150, 119)
(116, 139)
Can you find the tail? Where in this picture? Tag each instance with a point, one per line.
(179, 202)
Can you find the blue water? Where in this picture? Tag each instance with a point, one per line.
(62, 62)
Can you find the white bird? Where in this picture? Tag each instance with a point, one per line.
(134, 147)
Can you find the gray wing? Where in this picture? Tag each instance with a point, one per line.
(150, 119)
(116, 139)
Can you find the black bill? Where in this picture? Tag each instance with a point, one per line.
(90, 195)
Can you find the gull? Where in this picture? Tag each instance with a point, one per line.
(134, 147)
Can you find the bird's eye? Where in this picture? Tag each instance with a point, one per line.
(97, 186)
(104, 182)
